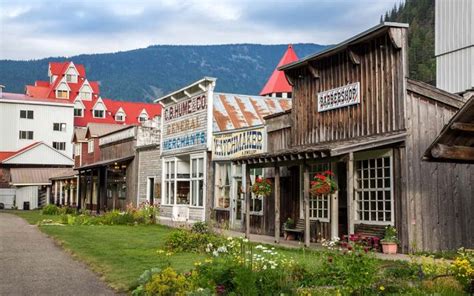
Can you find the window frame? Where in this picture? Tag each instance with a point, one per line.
(367, 156)
(98, 110)
(26, 135)
(60, 144)
(253, 197)
(79, 109)
(28, 114)
(62, 91)
(219, 188)
(316, 204)
(122, 114)
(90, 146)
(195, 180)
(59, 126)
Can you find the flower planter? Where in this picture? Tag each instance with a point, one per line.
(389, 248)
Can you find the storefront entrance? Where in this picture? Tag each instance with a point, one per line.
(236, 204)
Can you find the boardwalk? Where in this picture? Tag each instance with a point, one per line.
(31, 264)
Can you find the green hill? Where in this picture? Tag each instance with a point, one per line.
(143, 74)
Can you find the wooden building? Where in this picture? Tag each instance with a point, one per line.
(354, 111)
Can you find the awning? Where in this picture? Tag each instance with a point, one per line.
(322, 150)
(34, 176)
(66, 174)
(104, 163)
(455, 143)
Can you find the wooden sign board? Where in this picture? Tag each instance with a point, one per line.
(339, 97)
(235, 144)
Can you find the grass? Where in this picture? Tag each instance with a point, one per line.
(32, 217)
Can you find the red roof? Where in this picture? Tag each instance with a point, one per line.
(26, 98)
(132, 111)
(44, 89)
(277, 81)
(9, 154)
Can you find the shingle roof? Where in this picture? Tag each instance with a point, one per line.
(99, 129)
(39, 176)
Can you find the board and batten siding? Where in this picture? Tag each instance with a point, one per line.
(278, 132)
(437, 202)
(380, 71)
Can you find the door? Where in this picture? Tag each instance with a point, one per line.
(237, 198)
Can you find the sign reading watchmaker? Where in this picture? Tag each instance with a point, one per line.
(339, 97)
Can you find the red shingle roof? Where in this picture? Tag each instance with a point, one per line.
(277, 81)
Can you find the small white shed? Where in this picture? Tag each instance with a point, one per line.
(7, 197)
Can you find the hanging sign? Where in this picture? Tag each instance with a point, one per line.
(339, 97)
(238, 144)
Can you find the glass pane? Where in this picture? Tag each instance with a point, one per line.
(194, 168)
(201, 168)
(388, 216)
(201, 193)
(182, 192)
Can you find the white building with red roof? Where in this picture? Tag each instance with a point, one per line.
(277, 86)
(68, 82)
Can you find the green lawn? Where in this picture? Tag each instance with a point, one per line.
(119, 253)
(32, 217)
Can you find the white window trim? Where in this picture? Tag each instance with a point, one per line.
(90, 146)
(197, 178)
(216, 185)
(370, 155)
(329, 197)
(253, 197)
(93, 113)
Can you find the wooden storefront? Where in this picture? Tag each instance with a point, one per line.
(355, 112)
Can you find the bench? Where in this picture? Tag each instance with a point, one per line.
(298, 229)
(370, 235)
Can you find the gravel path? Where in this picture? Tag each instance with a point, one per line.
(31, 264)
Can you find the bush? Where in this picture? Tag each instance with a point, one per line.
(187, 241)
(463, 269)
(50, 210)
(67, 210)
(167, 282)
(117, 218)
(200, 227)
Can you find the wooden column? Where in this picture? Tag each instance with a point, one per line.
(277, 204)
(99, 188)
(307, 237)
(350, 193)
(55, 200)
(60, 192)
(79, 191)
(92, 190)
(48, 195)
(247, 200)
(334, 207)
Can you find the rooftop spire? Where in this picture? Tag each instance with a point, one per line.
(277, 82)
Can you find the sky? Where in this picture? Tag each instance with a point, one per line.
(43, 28)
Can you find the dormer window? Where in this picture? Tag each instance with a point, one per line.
(62, 94)
(78, 112)
(78, 108)
(143, 116)
(69, 77)
(120, 115)
(84, 95)
(99, 113)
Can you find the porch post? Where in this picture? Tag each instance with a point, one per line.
(60, 192)
(48, 195)
(277, 204)
(307, 236)
(99, 188)
(79, 191)
(92, 190)
(334, 208)
(350, 192)
(55, 192)
(247, 200)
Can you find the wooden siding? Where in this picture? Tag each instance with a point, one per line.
(278, 132)
(437, 205)
(381, 72)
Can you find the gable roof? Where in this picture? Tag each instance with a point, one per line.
(36, 176)
(233, 111)
(37, 153)
(100, 129)
(277, 82)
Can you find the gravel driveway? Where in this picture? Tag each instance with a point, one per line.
(31, 264)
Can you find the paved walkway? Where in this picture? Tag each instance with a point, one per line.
(31, 264)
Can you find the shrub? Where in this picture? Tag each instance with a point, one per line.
(429, 266)
(187, 241)
(463, 269)
(443, 286)
(200, 227)
(116, 217)
(167, 282)
(50, 210)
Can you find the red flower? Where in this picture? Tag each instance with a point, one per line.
(328, 172)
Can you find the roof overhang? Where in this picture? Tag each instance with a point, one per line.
(455, 143)
(187, 91)
(302, 154)
(361, 37)
(104, 163)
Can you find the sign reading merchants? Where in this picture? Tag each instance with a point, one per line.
(238, 143)
(339, 97)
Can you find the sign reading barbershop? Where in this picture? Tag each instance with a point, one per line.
(339, 97)
(238, 144)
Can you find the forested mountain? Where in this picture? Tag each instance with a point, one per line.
(147, 73)
(420, 14)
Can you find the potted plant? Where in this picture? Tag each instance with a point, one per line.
(262, 187)
(289, 224)
(323, 183)
(390, 240)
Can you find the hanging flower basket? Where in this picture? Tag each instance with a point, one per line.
(262, 187)
(323, 183)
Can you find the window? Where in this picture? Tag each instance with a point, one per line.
(374, 201)
(68, 77)
(77, 112)
(184, 181)
(28, 114)
(150, 189)
(26, 135)
(77, 149)
(142, 118)
(90, 146)
(85, 95)
(61, 127)
(59, 146)
(256, 202)
(319, 205)
(119, 116)
(223, 181)
(197, 182)
(99, 113)
(170, 168)
(63, 94)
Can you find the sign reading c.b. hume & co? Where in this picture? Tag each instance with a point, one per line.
(339, 97)
(235, 144)
(185, 125)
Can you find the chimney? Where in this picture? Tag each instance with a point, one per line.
(1, 90)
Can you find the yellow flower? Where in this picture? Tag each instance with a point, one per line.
(160, 251)
(381, 288)
(197, 263)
